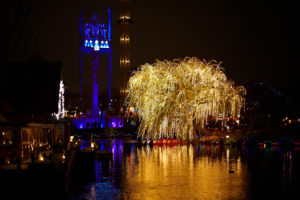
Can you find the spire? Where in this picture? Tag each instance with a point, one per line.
(109, 24)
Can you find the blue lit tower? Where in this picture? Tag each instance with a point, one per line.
(95, 39)
(124, 23)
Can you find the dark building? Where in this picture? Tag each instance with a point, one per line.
(30, 92)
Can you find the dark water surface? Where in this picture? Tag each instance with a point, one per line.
(193, 172)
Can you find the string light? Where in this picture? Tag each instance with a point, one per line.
(172, 97)
(61, 101)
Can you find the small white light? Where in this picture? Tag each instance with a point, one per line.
(71, 138)
(227, 136)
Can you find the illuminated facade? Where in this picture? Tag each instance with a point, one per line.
(125, 23)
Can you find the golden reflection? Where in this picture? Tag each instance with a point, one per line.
(180, 172)
(287, 166)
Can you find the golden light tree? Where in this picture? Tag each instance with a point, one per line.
(171, 97)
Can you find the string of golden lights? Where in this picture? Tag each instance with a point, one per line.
(172, 97)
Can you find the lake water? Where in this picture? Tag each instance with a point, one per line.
(193, 172)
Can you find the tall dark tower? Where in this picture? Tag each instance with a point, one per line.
(125, 23)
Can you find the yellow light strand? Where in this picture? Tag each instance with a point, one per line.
(172, 96)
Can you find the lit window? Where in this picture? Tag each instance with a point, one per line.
(96, 48)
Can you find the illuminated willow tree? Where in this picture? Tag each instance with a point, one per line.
(172, 97)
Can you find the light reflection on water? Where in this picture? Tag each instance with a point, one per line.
(175, 173)
(188, 172)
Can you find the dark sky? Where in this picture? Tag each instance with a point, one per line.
(254, 39)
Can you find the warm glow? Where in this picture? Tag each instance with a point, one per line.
(171, 97)
(131, 109)
(41, 158)
(71, 138)
(161, 168)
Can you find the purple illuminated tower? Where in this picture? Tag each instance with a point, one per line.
(95, 39)
(95, 103)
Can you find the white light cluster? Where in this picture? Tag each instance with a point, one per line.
(61, 101)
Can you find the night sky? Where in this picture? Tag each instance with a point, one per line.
(254, 39)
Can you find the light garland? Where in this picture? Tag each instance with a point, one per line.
(61, 101)
(172, 97)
